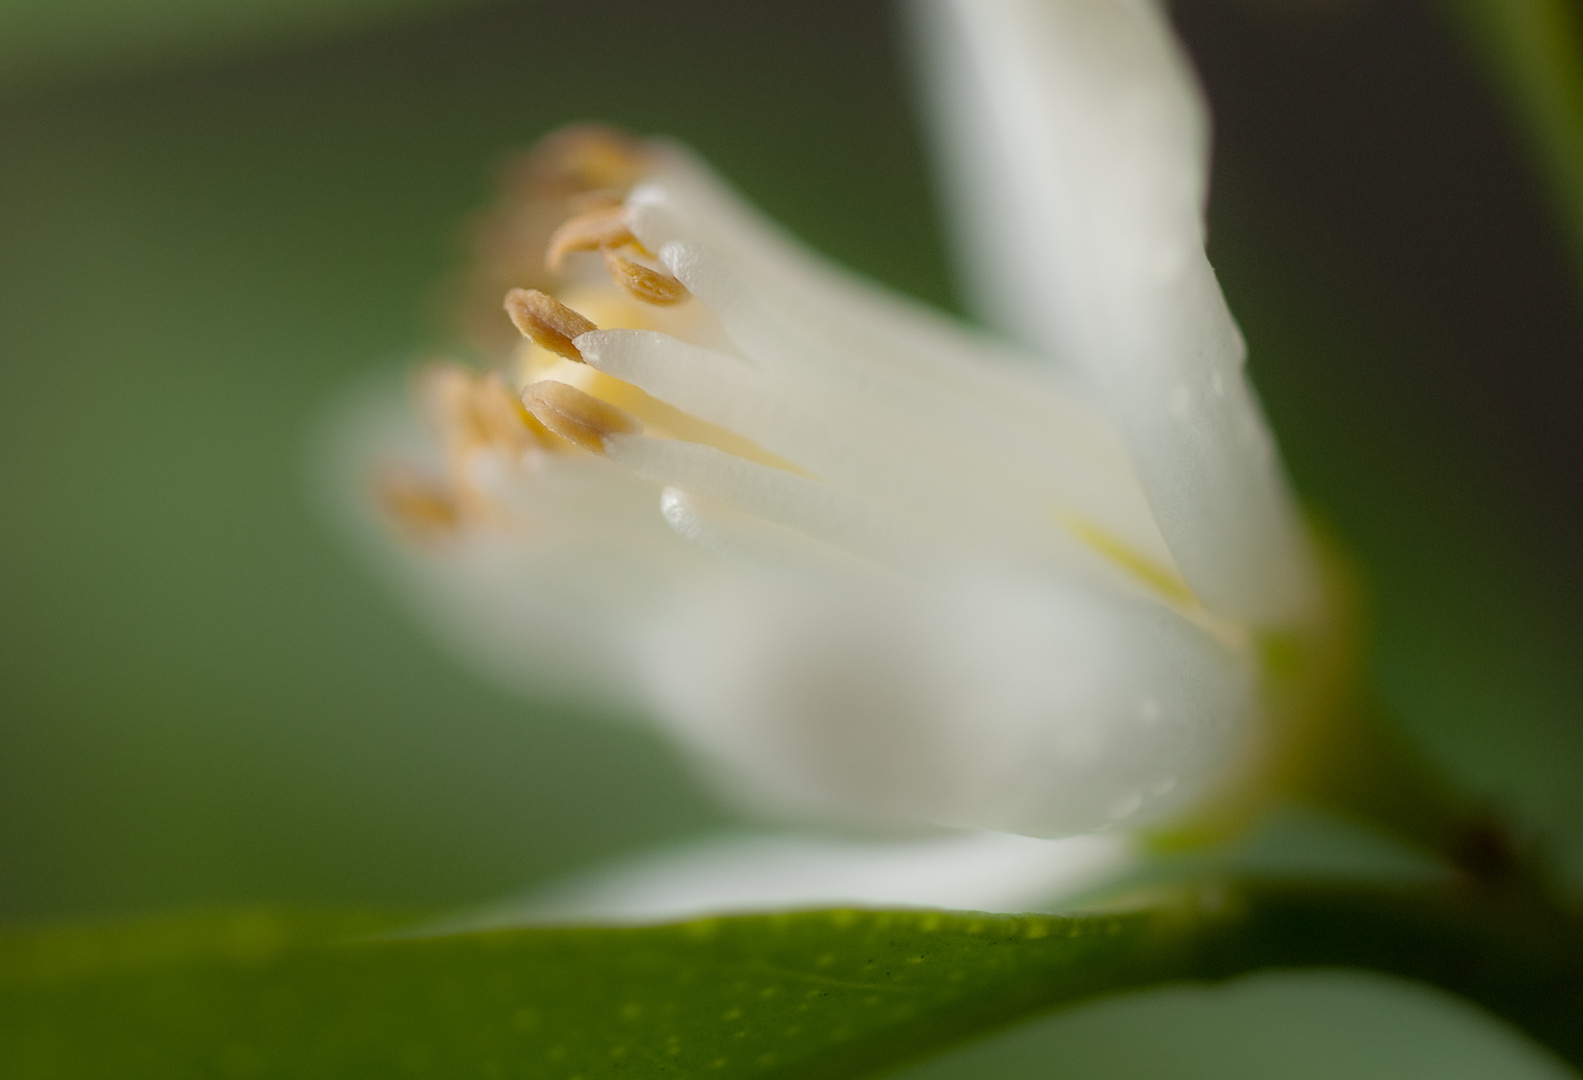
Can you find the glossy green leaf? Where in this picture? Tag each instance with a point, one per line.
(791, 995)
(813, 994)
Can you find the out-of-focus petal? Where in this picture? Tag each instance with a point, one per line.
(547, 600)
(783, 872)
(1036, 707)
(1074, 148)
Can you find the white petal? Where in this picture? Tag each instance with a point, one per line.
(916, 466)
(684, 201)
(1026, 706)
(545, 603)
(745, 539)
(741, 874)
(1075, 145)
(793, 502)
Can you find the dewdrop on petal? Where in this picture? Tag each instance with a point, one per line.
(868, 565)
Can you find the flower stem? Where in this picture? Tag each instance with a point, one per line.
(1521, 960)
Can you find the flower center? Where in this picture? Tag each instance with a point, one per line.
(592, 275)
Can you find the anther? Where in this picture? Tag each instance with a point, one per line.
(578, 159)
(589, 231)
(650, 286)
(546, 321)
(417, 503)
(447, 393)
(500, 414)
(579, 418)
(592, 157)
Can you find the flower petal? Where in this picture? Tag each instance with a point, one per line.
(1075, 145)
(783, 872)
(1018, 705)
(545, 602)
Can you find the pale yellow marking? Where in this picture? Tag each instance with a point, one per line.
(1161, 579)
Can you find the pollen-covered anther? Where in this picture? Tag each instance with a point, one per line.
(579, 418)
(547, 322)
(419, 504)
(503, 419)
(602, 227)
(591, 157)
(650, 286)
(448, 393)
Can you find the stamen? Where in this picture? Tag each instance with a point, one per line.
(799, 503)
(472, 411)
(547, 322)
(591, 230)
(585, 157)
(446, 391)
(1165, 581)
(502, 418)
(583, 201)
(650, 286)
(579, 418)
(420, 504)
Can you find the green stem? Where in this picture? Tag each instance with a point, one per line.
(1520, 961)
(1532, 50)
(1369, 771)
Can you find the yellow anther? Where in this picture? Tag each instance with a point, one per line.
(417, 503)
(579, 418)
(547, 322)
(446, 391)
(502, 418)
(568, 173)
(603, 227)
(650, 286)
(589, 157)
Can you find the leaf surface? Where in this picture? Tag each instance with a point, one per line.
(824, 993)
(805, 995)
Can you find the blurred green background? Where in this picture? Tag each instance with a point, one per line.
(209, 224)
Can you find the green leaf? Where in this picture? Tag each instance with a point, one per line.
(826, 993)
(812, 994)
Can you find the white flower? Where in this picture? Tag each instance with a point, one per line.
(870, 565)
